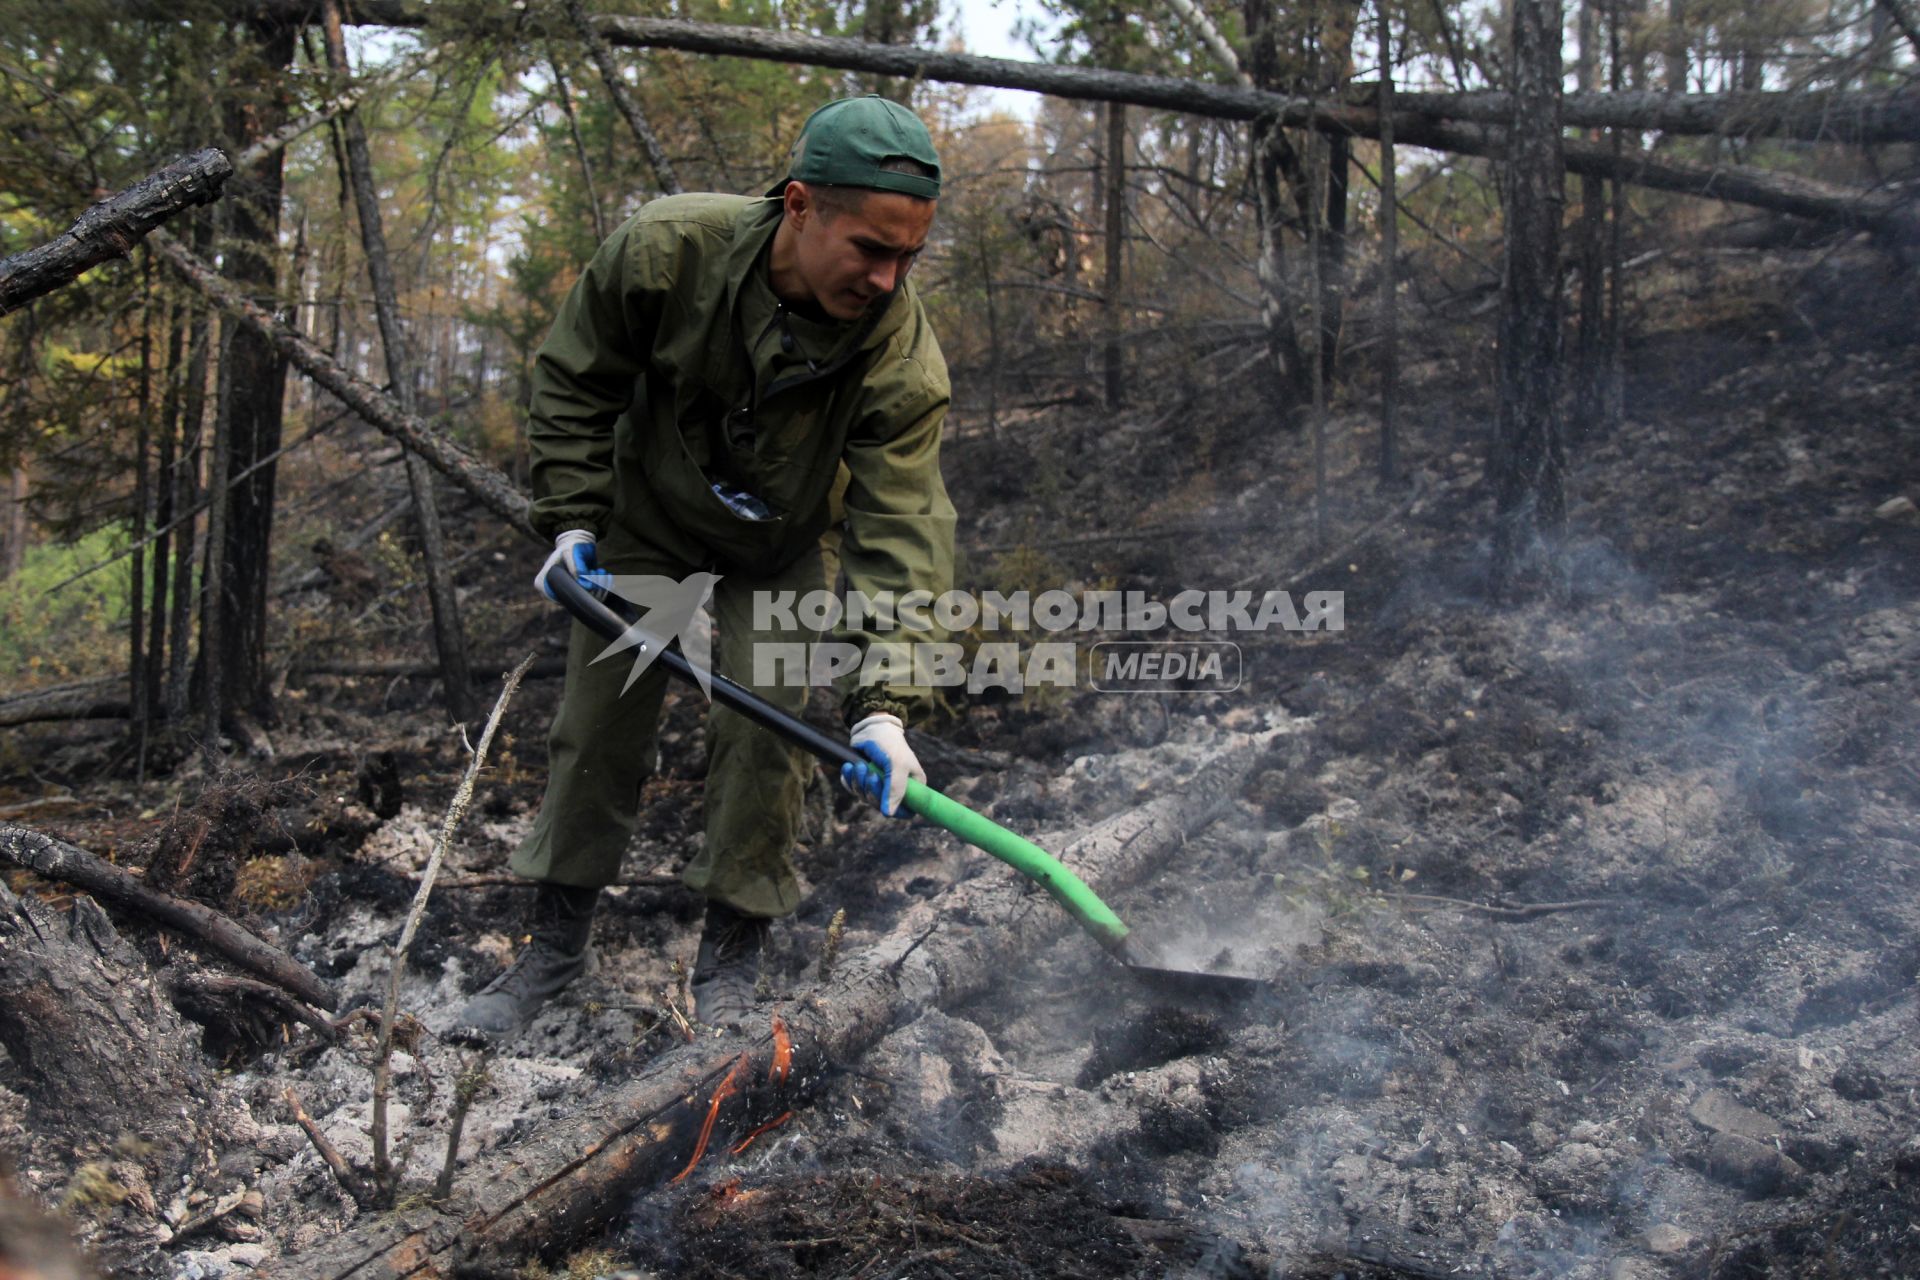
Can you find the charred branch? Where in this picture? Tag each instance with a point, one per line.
(57, 860)
(111, 228)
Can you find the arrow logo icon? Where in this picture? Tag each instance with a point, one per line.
(669, 608)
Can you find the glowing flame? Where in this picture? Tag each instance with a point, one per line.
(782, 1053)
(728, 1087)
(774, 1123)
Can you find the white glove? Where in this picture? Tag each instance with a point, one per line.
(882, 739)
(574, 549)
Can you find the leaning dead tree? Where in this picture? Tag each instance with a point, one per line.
(578, 1173)
(112, 227)
(623, 101)
(487, 485)
(449, 638)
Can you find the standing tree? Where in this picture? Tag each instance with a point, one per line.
(1529, 457)
(252, 373)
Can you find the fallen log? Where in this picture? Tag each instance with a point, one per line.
(103, 699)
(1462, 123)
(106, 698)
(575, 1175)
(112, 227)
(57, 860)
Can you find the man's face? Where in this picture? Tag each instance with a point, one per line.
(851, 259)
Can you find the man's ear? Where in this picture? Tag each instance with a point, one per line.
(798, 203)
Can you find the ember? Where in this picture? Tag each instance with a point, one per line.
(782, 1052)
(774, 1123)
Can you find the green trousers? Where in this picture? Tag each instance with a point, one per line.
(603, 746)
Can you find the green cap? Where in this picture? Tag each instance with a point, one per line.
(848, 142)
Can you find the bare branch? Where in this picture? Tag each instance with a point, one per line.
(112, 227)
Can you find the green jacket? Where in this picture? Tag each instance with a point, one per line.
(672, 365)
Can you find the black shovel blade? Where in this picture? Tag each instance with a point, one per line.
(1184, 984)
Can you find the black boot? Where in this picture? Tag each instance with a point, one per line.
(560, 922)
(727, 969)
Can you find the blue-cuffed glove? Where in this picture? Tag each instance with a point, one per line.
(882, 739)
(573, 549)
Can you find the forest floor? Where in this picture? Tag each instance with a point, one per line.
(1593, 921)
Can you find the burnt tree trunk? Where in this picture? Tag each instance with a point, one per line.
(165, 489)
(449, 639)
(137, 700)
(1335, 57)
(1116, 211)
(1592, 348)
(1528, 462)
(186, 495)
(214, 595)
(574, 1175)
(1389, 259)
(1276, 169)
(256, 375)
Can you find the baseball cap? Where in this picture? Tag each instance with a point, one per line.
(848, 142)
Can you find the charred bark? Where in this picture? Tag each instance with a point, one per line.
(256, 373)
(102, 1049)
(57, 860)
(112, 227)
(1389, 258)
(1528, 462)
(573, 1176)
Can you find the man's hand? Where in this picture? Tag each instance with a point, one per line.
(882, 739)
(572, 553)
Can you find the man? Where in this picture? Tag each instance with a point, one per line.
(733, 386)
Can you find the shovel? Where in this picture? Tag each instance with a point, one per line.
(1029, 859)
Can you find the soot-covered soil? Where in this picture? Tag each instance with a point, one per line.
(1591, 920)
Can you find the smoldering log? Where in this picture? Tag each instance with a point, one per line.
(574, 1175)
(57, 860)
(111, 228)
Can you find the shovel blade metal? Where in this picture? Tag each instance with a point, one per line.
(1184, 984)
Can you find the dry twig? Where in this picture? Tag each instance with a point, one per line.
(384, 1174)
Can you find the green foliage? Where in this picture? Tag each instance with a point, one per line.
(79, 630)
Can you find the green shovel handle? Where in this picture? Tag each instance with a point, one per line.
(1024, 856)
